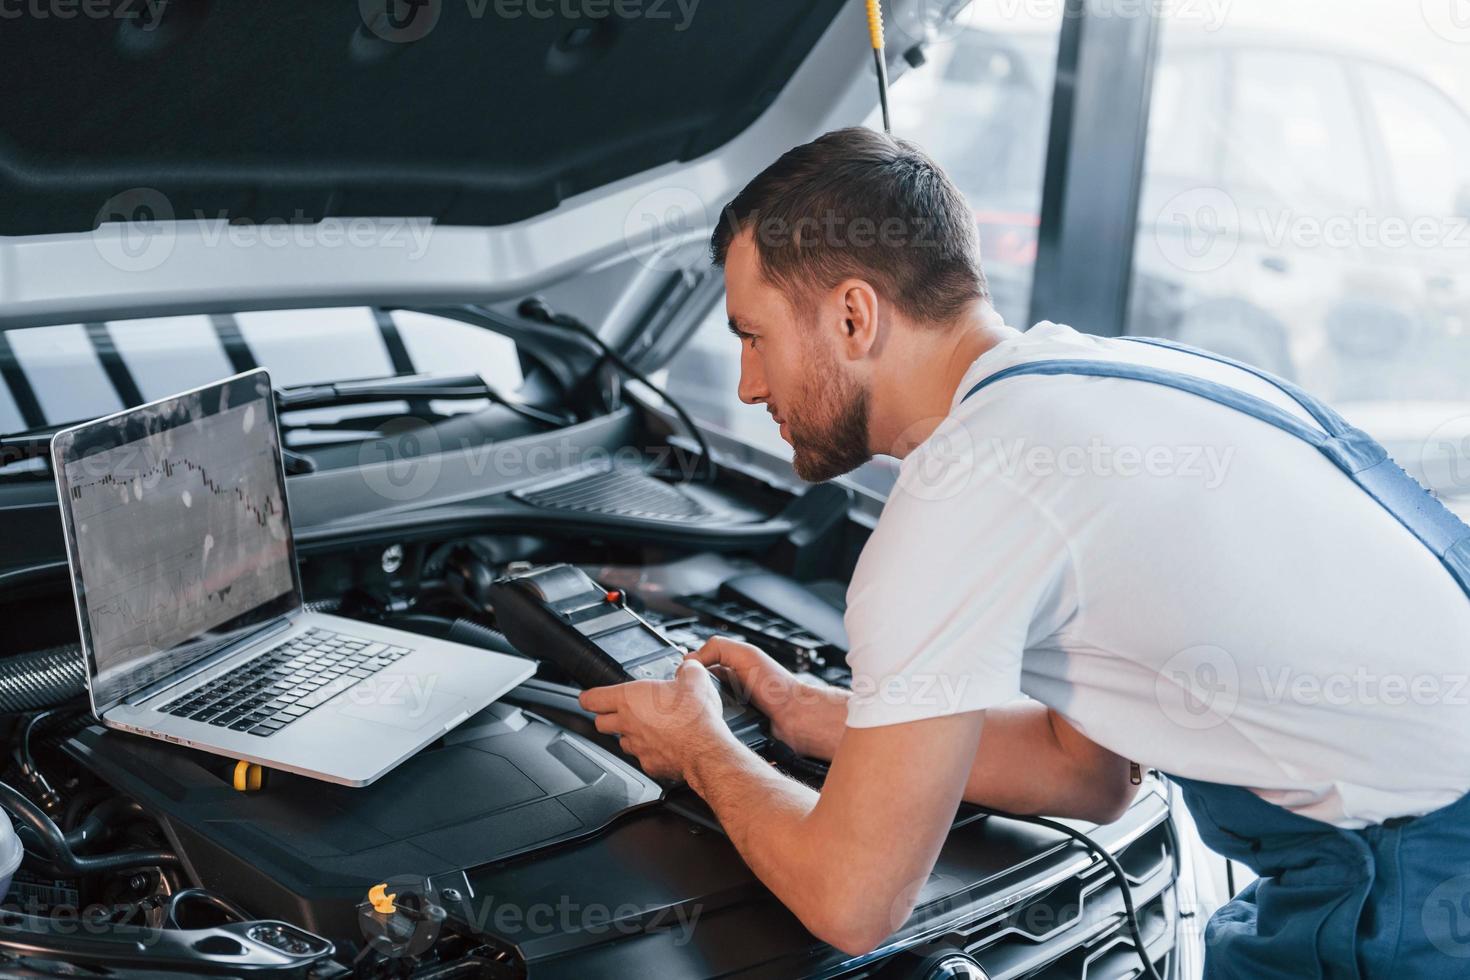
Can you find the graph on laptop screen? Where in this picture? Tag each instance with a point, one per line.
(178, 533)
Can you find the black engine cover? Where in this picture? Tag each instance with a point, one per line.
(536, 837)
(502, 783)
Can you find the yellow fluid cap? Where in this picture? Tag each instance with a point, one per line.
(380, 898)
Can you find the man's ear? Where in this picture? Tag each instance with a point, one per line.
(859, 312)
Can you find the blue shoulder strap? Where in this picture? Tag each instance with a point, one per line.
(1351, 449)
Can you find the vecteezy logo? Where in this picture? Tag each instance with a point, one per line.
(1444, 459)
(402, 463)
(1450, 19)
(400, 21)
(1446, 917)
(1198, 230)
(135, 231)
(401, 916)
(1198, 687)
(932, 21)
(942, 466)
(660, 222)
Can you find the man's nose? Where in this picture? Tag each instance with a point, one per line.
(752, 388)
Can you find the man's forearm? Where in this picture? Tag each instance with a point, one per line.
(850, 862)
(814, 723)
(766, 816)
(1029, 761)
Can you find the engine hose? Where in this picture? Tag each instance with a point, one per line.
(55, 730)
(102, 819)
(471, 633)
(40, 785)
(59, 853)
(81, 802)
(42, 679)
(46, 678)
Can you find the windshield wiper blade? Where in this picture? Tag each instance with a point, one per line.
(30, 443)
(409, 387)
(33, 444)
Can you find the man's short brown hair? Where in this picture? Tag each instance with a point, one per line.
(855, 203)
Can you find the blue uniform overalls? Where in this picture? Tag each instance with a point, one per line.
(1390, 901)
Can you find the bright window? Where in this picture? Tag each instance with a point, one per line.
(1332, 245)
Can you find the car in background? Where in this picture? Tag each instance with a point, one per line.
(1301, 209)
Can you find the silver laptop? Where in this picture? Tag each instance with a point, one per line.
(189, 601)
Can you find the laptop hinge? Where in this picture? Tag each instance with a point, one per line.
(210, 660)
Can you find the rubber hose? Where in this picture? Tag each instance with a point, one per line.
(101, 820)
(42, 679)
(59, 852)
(46, 678)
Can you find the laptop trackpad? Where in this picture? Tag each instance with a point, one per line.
(410, 711)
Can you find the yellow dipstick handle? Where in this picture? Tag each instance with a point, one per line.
(875, 24)
(381, 898)
(248, 776)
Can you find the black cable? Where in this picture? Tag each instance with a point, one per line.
(51, 799)
(28, 764)
(535, 308)
(813, 768)
(1230, 877)
(1130, 913)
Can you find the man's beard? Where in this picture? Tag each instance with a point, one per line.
(833, 439)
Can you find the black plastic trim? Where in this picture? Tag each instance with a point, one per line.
(112, 363)
(20, 386)
(227, 329)
(1094, 168)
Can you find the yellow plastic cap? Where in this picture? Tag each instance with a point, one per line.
(875, 24)
(248, 776)
(380, 898)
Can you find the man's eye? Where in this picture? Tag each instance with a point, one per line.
(754, 342)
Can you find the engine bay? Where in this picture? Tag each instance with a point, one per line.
(523, 843)
(527, 776)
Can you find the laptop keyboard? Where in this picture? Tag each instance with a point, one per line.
(269, 692)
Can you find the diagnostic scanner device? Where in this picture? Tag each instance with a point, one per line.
(558, 614)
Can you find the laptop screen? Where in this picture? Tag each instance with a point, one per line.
(177, 530)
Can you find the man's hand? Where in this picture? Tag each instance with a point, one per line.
(809, 717)
(665, 725)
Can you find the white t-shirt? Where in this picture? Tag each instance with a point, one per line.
(1190, 587)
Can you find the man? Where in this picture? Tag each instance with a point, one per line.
(1077, 571)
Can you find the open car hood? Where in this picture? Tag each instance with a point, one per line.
(213, 156)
